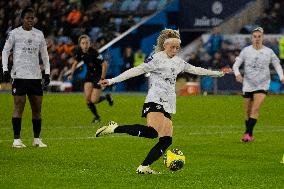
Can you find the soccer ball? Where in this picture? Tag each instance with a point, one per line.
(174, 159)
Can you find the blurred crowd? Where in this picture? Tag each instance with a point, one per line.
(272, 20)
(63, 21)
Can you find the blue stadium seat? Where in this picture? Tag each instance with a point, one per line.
(94, 33)
(124, 5)
(134, 5)
(108, 5)
(152, 5)
(162, 4)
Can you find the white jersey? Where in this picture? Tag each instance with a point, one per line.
(26, 46)
(163, 73)
(256, 67)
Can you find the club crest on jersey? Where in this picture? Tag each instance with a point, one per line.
(148, 59)
(28, 42)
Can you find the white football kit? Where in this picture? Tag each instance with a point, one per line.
(26, 46)
(256, 67)
(163, 73)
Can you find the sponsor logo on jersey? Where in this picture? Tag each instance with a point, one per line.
(146, 109)
(158, 107)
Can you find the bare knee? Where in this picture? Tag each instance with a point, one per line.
(255, 110)
(95, 100)
(36, 114)
(18, 112)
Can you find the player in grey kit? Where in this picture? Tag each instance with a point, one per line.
(256, 79)
(26, 42)
(160, 103)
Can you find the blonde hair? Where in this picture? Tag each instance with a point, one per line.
(83, 37)
(165, 34)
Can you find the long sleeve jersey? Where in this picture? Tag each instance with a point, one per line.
(256, 67)
(26, 47)
(163, 73)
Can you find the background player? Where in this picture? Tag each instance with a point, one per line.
(96, 71)
(28, 45)
(256, 79)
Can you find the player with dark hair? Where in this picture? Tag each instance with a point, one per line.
(28, 45)
(160, 103)
(256, 79)
(96, 71)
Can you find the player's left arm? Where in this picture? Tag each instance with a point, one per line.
(45, 60)
(202, 71)
(276, 64)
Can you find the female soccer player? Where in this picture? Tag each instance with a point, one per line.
(160, 103)
(256, 79)
(96, 71)
(27, 42)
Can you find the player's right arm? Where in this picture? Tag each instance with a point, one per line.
(236, 66)
(9, 44)
(73, 68)
(147, 66)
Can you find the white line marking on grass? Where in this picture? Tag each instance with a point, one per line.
(127, 136)
(189, 126)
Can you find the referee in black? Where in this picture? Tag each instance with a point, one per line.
(96, 71)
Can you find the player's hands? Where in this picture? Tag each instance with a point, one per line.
(239, 78)
(6, 77)
(46, 80)
(226, 70)
(104, 82)
(70, 77)
(282, 81)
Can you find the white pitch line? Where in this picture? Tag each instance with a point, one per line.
(189, 126)
(127, 136)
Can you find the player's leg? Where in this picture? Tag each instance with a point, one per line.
(36, 104)
(248, 100)
(19, 91)
(19, 106)
(258, 99)
(163, 126)
(247, 106)
(97, 96)
(134, 129)
(88, 89)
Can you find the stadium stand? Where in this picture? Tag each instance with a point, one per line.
(63, 22)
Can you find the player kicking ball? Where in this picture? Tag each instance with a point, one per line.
(160, 103)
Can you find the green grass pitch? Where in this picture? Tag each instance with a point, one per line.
(206, 129)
